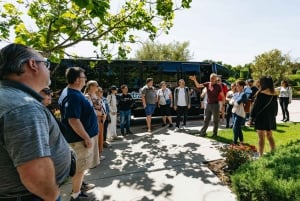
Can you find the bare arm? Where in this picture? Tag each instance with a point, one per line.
(144, 100)
(79, 129)
(197, 84)
(38, 176)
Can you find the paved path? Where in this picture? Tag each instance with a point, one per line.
(167, 166)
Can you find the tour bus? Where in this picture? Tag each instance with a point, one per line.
(135, 72)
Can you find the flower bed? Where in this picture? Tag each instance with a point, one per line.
(236, 155)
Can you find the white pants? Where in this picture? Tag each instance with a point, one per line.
(112, 126)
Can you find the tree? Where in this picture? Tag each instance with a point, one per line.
(271, 63)
(175, 51)
(55, 25)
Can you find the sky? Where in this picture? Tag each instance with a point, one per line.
(235, 31)
(231, 31)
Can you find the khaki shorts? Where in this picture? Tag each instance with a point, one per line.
(86, 158)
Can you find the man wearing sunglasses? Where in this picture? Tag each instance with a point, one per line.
(34, 156)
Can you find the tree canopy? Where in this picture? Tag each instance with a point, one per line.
(174, 51)
(272, 63)
(52, 26)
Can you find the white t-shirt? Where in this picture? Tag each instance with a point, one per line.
(181, 97)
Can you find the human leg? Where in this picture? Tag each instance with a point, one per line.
(216, 116)
(207, 117)
(285, 108)
(281, 103)
(235, 128)
(271, 140)
(179, 112)
(185, 112)
(241, 121)
(164, 118)
(77, 180)
(127, 124)
(148, 121)
(86, 158)
(122, 121)
(261, 141)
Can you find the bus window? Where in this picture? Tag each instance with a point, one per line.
(169, 73)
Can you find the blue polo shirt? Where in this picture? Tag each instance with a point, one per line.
(73, 104)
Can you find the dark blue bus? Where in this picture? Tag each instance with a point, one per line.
(134, 73)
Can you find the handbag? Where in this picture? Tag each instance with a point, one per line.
(73, 163)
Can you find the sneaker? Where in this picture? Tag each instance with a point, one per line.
(214, 136)
(82, 197)
(202, 134)
(106, 145)
(149, 131)
(110, 139)
(184, 126)
(117, 138)
(163, 125)
(129, 132)
(176, 129)
(102, 157)
(171, 125)
(86, 187)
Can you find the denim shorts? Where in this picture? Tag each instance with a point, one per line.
(149, 110)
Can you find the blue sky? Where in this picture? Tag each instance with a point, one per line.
(235, 31)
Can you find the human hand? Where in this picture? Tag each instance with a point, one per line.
(192, 77)
(88, 143)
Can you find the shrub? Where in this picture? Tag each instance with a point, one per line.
(274, 177)
(236, 155)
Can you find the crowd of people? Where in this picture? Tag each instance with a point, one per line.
(69, 146)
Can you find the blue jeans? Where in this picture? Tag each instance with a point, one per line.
(237, 128)
(125, 116)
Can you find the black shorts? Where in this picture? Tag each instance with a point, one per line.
(165, 110)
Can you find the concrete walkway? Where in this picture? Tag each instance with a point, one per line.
(165, 166)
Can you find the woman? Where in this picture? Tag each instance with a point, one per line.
(112, 103)
(285, 98)
(164, 99)
(229, 107)
(90, 92)
(264, 112)
(238, 112)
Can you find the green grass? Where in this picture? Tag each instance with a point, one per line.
(285, 133)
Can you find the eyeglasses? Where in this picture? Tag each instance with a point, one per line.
(47, 63)
(47, 91)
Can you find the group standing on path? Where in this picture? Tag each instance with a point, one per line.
(27, 122)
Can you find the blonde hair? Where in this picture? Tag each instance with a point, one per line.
(89, 84)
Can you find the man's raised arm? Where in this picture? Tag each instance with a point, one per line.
(197, 84)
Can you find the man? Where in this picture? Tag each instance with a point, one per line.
(149, 101)
(182, 102)
(213, 91)
(34, 156)
(80, 120)
(125, 102)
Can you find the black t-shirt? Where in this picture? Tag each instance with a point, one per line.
(125, 101)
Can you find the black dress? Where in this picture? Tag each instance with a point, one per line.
(264, 111)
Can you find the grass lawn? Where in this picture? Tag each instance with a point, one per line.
(285, 133)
